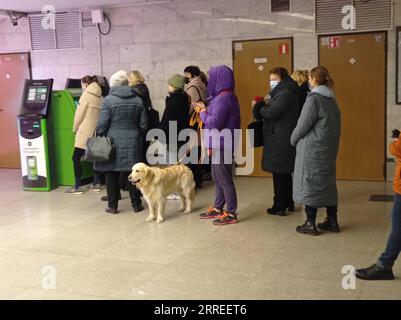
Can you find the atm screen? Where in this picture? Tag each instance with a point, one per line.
(36, 97)
(36, 94)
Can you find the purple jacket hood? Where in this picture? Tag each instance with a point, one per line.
(220, 78)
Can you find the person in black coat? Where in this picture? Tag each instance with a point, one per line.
(280, 114)
(301, 78)
(137, 82)
(176, 111)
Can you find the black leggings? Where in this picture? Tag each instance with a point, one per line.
(76, 159)
(311, 212)
(282, 183)
(196, 168)
(113, 183)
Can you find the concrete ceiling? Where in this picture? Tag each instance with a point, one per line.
(60, 5)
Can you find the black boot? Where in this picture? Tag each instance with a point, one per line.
(330, 224)
(111, 210)
(374, 272)
(276, 212)
(106, 198)
(138, 208)
(309, 227)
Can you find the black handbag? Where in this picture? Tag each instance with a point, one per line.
(154, 119)
(99, 149)
(257, 127)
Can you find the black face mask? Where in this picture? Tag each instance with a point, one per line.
(187, 80)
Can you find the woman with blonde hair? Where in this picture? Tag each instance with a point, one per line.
(301, 77)
(137, 82)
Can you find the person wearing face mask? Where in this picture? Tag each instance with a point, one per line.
(280, 114)
(197, 92)
(195, 87)
(85, 120)
(317, 139)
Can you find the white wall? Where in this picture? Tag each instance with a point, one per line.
(162, 39)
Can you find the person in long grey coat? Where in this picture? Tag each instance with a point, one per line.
(280, 115)
(123, 118)
(317, 138)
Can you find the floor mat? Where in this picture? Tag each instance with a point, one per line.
(381, 198)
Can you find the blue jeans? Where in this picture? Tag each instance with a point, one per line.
(393, 247)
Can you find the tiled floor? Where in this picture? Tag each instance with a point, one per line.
(100, 256)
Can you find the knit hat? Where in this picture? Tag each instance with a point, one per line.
(177, 81)
(120, 78)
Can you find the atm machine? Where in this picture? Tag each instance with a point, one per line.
(34, 142)
(62, 110)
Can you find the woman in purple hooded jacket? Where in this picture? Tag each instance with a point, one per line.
(221, 118)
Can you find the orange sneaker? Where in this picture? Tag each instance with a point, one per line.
(212, 213)
(226, 218)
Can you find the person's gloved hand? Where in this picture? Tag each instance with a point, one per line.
(200, 107)
(396, 134)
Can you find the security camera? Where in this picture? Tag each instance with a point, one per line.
(14, 21)
(14, 18)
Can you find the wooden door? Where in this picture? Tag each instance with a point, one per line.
(253, 61)
(357, 63)
(14, 69)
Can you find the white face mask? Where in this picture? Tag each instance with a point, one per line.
(273, 84)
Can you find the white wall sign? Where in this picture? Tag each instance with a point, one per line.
(325, 41)
(238, 47)
(260, 60)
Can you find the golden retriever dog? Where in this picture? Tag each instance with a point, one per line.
(156, 184)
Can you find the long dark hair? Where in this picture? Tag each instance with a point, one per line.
(203, 77)
(193, 70)
(90, 79)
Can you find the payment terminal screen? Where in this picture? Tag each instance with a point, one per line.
(36, 94)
